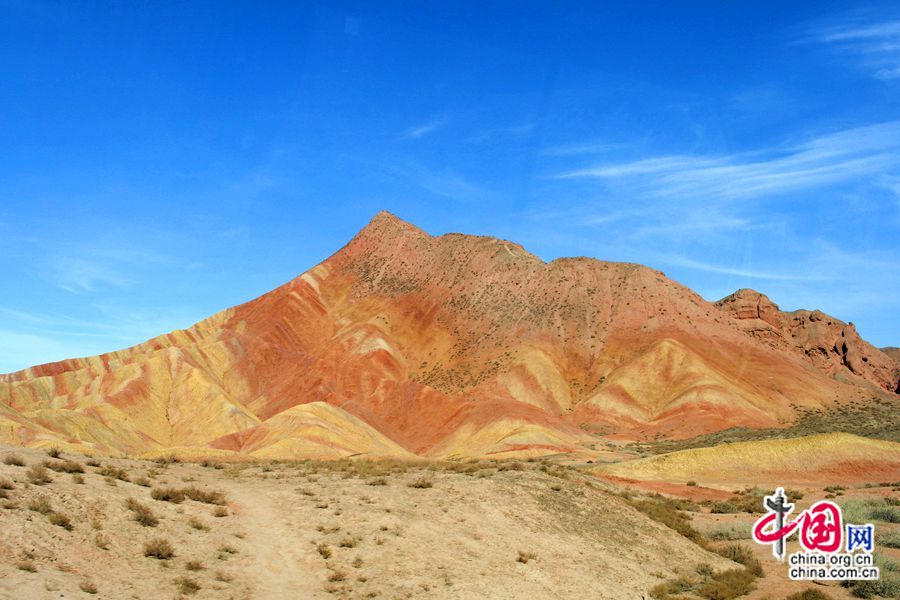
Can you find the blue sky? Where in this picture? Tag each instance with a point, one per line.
(162, 161)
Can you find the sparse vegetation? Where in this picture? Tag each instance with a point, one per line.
(197, 524)
(61, 520)
(727, 585)
(66, 466)
(742, 555)
(665, 511)
(114, 472)
(324, 551)
(54, 452)
(14, 460)
(40, 504)
(193, 565)
(38, 475)
(809, 594)
(159, 548)
(141, 513)
(178, 495)
(188, 586)
(524, 557)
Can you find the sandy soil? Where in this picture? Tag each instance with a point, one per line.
(305, 530)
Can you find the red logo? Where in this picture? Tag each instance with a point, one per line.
(820, 526)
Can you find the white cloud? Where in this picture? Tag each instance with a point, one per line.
(425, 129)
(827, 159)
(875, 46)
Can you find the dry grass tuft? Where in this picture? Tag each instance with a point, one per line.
(159, 548)
(197, 524)
(6, 484)
(61, 520)
(524, 557)
(324, 551)
(193, 565)
(38, 475)
(14, 460)
(66, 466)
(220, 511)
(142, 513)
(54, 452)
(188, 586)
(40, 504)
(114, 473)
(421, 483)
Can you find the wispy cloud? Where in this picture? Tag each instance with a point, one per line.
(827, 159)
(424, 129)
(875, 45)
(689, 263)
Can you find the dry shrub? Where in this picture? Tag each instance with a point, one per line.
(743, 555)
(142, 481)
(220, 511)
(142, 513)
(665, 512)
(727, 585)
(78, 479)
(188, 586)
(14, 460)
(324, 551)
(524, 557)
(6, 484)
(169, 494)
(61, 520)
(348, 542)
(38, 475)
(159, 548)
(193, 565)
(378, 481)
(166, 460)
(197, 524)
(114, 472)
(205, 496)
(809, 594)
(66, 466)
(40, 504)
(176, 495)
(337, 575)
(421, 483)
(54, 452)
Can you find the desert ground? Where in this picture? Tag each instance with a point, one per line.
(78, 527)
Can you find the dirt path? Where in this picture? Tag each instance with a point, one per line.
(281, 562)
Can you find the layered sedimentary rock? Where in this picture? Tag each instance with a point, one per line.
(406, 344)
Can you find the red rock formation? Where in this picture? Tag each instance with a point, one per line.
(831, 345)
(443, 346)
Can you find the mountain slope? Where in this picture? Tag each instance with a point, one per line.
(443, 346)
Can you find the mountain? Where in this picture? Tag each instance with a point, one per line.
(405, 344)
